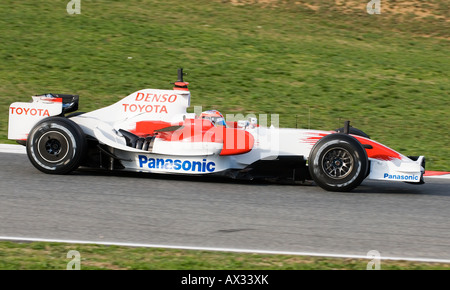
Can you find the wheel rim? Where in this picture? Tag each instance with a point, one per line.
(53, 146)
(337, 163)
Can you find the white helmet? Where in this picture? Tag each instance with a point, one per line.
(215, 117)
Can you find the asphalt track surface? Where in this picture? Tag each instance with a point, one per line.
(396, 219)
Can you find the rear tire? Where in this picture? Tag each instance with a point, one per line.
(56, 145)
(338, 162)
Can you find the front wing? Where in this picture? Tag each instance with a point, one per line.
(406, 169)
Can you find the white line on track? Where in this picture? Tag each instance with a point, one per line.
(11, 148)
(252, 251)
(446, 176)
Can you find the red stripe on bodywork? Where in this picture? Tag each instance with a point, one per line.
(235, 141)
(54, 100)
(145, 128)
(313, 139)
(435, 173)
(378, 151)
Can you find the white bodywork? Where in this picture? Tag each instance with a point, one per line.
(191, 157)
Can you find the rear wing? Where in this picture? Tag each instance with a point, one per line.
(23, 116)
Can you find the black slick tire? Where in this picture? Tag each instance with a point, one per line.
(56, 145)
(338, 162)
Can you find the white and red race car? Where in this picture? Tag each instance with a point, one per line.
(151, 131)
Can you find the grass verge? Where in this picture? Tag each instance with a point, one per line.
(53, 256)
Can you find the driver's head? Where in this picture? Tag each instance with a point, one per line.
(214, 116)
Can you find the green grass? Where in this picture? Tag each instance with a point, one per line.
(387, 73)
(53, 256)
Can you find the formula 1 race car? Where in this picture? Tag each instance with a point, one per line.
(151, 131)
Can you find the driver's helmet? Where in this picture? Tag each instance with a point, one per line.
(214, 116)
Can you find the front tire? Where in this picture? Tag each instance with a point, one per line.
(338, 162)
(56, 145)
